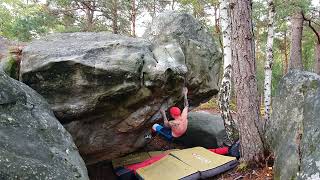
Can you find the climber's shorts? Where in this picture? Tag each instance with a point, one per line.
(163, 131)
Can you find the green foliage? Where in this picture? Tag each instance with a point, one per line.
(242, 167)
(277, 74)
(213, 104)
(23, 21)
(308, 49)
(11, 67)
(196, 6)
(284, 9)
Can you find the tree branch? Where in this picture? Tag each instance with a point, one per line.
(310, 25)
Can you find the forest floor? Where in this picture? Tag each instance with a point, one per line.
(248, 174)
(260, 172)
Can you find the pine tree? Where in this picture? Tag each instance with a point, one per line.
(244, 67)
(295, 61)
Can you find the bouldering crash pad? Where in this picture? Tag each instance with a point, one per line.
(192, 163)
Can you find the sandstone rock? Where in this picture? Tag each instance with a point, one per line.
(204, 129)
(33, 144)
(202, 56)
(293, 130)
(107, 89)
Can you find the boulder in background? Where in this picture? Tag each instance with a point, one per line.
(293, 132)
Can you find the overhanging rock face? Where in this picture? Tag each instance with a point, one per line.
(107, 89)
(202, 56)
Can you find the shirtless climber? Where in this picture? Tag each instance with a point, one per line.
(178, 126)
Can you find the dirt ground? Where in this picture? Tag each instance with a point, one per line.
(264, 173)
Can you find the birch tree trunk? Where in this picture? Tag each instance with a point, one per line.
(244, 68)
(225, 89)
(269, 61)
(295, 61)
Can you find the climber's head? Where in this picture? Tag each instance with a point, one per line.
(175, 112)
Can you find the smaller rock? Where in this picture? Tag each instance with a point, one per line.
(204, 129)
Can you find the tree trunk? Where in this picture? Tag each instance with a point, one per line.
(225, 89)
(295, 61)
(244, 67)
(115, 16)
(317, 56)
(269, 61)
(89, 10)
(286, 62)
(133, 18)
(216, 18)
(172, 5)
(154, 8)
(217, 24)
(89, 20)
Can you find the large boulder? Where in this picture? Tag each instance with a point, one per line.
(293, 130)
(33, 144)
(204, 129)
(107, 89)
(202, 56)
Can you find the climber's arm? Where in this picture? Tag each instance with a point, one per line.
(184, 113)
(165, 120)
